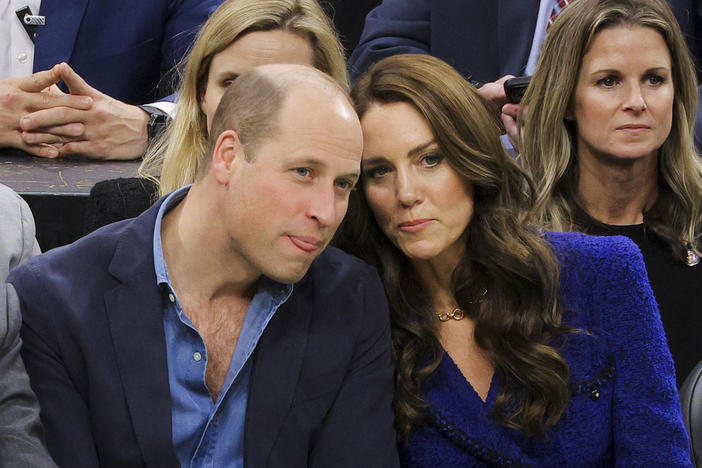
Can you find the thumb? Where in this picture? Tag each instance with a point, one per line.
(76, 84)
(38, 81)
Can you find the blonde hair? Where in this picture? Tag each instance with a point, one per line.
(548, 146)
(180, 150)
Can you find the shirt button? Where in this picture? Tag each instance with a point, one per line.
(171, 297)
(595, 395)
(22, 58)
(197, 356)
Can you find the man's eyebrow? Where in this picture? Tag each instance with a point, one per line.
(319, 163)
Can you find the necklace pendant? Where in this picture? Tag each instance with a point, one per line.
(457, 314)
(691, 259)
(444, 316)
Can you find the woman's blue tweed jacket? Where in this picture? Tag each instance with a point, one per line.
(624, 408)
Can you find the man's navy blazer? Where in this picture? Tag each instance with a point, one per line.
(485, 39)
(122, 48)
(321, 386)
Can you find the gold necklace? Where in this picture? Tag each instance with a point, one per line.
(456, 314)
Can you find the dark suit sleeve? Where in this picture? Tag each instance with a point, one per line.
(64, 412)
(20, 431)
(358, 429)
(394, 27)
(647, 423)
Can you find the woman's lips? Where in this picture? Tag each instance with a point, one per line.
(634, 128)
(415, 225)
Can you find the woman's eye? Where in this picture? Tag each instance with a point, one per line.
(607, 82)
(432, 160)
(377, 172)
(655, 80)
(225, 83)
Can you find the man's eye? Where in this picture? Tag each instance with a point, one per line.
(344, 184)
(303, 171)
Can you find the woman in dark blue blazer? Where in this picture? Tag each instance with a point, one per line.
(513, 347)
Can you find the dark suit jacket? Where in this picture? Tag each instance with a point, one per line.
(321, 385)
(486, 39)
(123, 48)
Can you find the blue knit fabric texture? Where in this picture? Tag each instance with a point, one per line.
(624, 408)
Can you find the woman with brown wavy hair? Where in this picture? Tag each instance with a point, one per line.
(512, 347)
(608, 138)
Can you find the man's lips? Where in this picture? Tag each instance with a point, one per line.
(305, 243)
(415, 224)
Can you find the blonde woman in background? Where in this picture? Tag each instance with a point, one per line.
(608, 138)
(240, 35)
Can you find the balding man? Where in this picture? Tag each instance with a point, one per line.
(216, 329)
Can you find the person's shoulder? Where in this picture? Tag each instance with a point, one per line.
(585, 251)
(87, 256)
(8, 197)
(16, 230)
(335, 264)
(602, 277)
(339, 280)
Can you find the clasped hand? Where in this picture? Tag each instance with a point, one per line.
(40, 119)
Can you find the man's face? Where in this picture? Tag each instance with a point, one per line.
(284, 204)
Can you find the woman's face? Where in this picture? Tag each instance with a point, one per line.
(248, 51)
(623, 104)
(419, 201)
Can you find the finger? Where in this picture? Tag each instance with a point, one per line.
(511, 129)
(511, 109)
(38, 81)
(495, 93)
(80, 148)
(52, 117)
(53, 89)
(43, 150)
(70, 132)
(76, 84)
(39, 101)
(502, 80)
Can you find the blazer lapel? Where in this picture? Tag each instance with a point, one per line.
(276, 370)
(136, 323)
(456, 410)
(55, 41)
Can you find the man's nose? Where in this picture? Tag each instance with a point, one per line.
(323, 206)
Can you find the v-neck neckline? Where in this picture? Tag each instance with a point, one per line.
(455, 372)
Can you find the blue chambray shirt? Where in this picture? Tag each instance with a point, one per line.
(207, 433)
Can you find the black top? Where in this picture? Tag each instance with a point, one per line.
(677, 288)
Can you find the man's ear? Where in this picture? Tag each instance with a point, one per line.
(227, 156)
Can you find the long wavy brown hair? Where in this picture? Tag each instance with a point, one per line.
(517, 320)
(549, 142)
